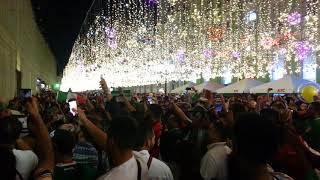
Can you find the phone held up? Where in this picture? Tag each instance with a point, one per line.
(73, 106)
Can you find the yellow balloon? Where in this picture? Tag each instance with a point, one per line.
(308, 93)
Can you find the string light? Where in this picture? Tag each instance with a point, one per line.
(141, 42)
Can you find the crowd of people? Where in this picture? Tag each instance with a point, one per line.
(160, 137)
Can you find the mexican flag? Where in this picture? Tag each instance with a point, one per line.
(65, 96)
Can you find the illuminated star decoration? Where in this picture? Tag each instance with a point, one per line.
(236, 54)
(303, 49)
(112, 39)
(207, 53)
(151, 3)
(180, 55)
(294, 18)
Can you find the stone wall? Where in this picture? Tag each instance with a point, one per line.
(22, 48)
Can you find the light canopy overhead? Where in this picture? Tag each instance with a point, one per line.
(140, 42)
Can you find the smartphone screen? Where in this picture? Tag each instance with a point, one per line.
(24, 124)
(73, 105)
(25, 93)
(218, 108)
(274, 95)
(150, 101)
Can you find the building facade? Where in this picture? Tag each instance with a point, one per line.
(24, 54)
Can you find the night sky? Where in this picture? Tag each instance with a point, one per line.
(60, 22)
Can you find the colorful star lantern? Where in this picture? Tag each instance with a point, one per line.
(294, 18)
(215, 33)
(208, 54)
(303, 49)
(111, 32)
(236, 54)
(180, 55)
(268, 42)
(151, 2)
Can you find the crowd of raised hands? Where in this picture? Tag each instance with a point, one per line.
(160, 136)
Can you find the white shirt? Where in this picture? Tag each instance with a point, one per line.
(158, 170)
(126, 171)
(214, 162)
(26, 161)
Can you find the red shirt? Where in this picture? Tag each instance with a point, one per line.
(291, 162)
(157, 129)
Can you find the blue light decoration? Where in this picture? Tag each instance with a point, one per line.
(251, 16)
(309, 68)
(227, 77)
(278, 68)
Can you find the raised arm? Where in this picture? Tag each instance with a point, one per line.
(181, 115)
(102, 108)
(127, 103)
(224, 104)
(145, 105)
(97, 134)
(105, 89)
(44, 146)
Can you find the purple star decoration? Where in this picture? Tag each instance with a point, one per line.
(294, 18)
(180, 55)
(151, 2)
(282, 51)
(112, 43)
(111, 34)
(207, 53)
(303, 49)
(236, 54)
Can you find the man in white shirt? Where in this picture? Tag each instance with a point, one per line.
(26, 162)
(120, 142)
(158, 170)
(214, 162)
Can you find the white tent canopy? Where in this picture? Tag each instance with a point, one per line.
(287, 84)
(242, 86)
(213, 87)
(181, 89)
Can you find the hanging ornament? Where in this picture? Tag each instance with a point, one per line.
(303, 49)
(267, 42)
(215, 33)
(110, 32)
(294, 18)
(180, 55)
(251, 16)
(236, 54)
(208, 54)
